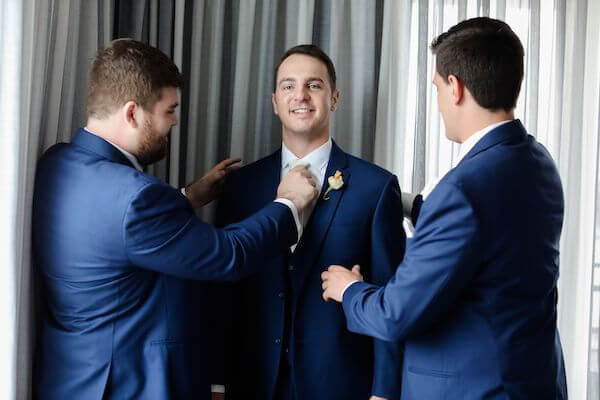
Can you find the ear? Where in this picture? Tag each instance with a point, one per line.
(132, 114)
(274, 102)
(457, 87)
(335, 99)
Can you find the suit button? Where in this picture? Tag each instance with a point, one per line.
(291, 267)
(277, 341)
(280, 294)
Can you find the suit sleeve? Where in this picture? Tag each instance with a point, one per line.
(162, 233)
(388, 242)
(440, 261)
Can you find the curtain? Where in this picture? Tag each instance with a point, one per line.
(227, 51)
(10, 278)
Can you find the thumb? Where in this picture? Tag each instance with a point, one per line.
(356, 269)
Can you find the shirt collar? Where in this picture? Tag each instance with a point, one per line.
(317, 159)
(127, 154)
(468, 144)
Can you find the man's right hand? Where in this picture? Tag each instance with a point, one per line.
(299, 187)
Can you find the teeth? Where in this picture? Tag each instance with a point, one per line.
(301, 110)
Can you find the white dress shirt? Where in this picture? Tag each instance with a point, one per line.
(317, 161)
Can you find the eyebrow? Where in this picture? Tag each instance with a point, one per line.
(309, 79)
(174, 105)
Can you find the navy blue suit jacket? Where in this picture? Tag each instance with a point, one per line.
(475, 297)
(359, 224)
(110, 244)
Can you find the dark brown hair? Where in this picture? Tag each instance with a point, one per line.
(312, 51)
(128, 70)
(487, 56)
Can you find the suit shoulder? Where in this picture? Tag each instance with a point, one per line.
(368, 170)
(250, 172)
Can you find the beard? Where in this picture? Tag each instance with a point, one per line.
(153, 145)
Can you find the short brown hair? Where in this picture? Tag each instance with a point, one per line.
(312, 51)
(128, 70)
(487, 56)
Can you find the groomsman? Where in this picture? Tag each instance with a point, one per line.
(112, 243)
(475, 297)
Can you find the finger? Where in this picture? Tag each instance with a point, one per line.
(324, 275)
(232, 168)
(228, 162)
(324, 285)
(325, 296)
(334, 268)
(356, 269)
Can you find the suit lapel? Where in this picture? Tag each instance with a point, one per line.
(314, 233)
(270, 178)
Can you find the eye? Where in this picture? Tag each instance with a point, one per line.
(314, 86)
(287, 87)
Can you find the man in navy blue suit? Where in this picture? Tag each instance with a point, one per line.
(475, 297)
(287, 342)
(112, 242)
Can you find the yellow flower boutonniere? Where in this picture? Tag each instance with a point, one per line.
(335, 183)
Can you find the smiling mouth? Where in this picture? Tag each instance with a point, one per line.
(301, 110)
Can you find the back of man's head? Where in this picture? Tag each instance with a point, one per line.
(487, 56)
(310, 50)
(128, 70)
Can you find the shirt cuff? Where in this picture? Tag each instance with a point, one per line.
(292, 208)
(217, 388)
(183, 192)
(347, 286)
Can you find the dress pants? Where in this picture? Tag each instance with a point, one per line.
(285, 389)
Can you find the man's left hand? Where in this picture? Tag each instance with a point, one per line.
(336, 278)
(207, 188)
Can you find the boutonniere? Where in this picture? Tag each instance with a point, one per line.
(335, 183)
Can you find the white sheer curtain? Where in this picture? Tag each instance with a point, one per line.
(10, 51)
(559, 105)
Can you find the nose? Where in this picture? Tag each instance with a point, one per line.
(301, 93)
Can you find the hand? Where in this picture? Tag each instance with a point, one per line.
(299, 187)
(207, 188)
(336, 278)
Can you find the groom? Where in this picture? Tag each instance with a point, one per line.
(287, 342)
